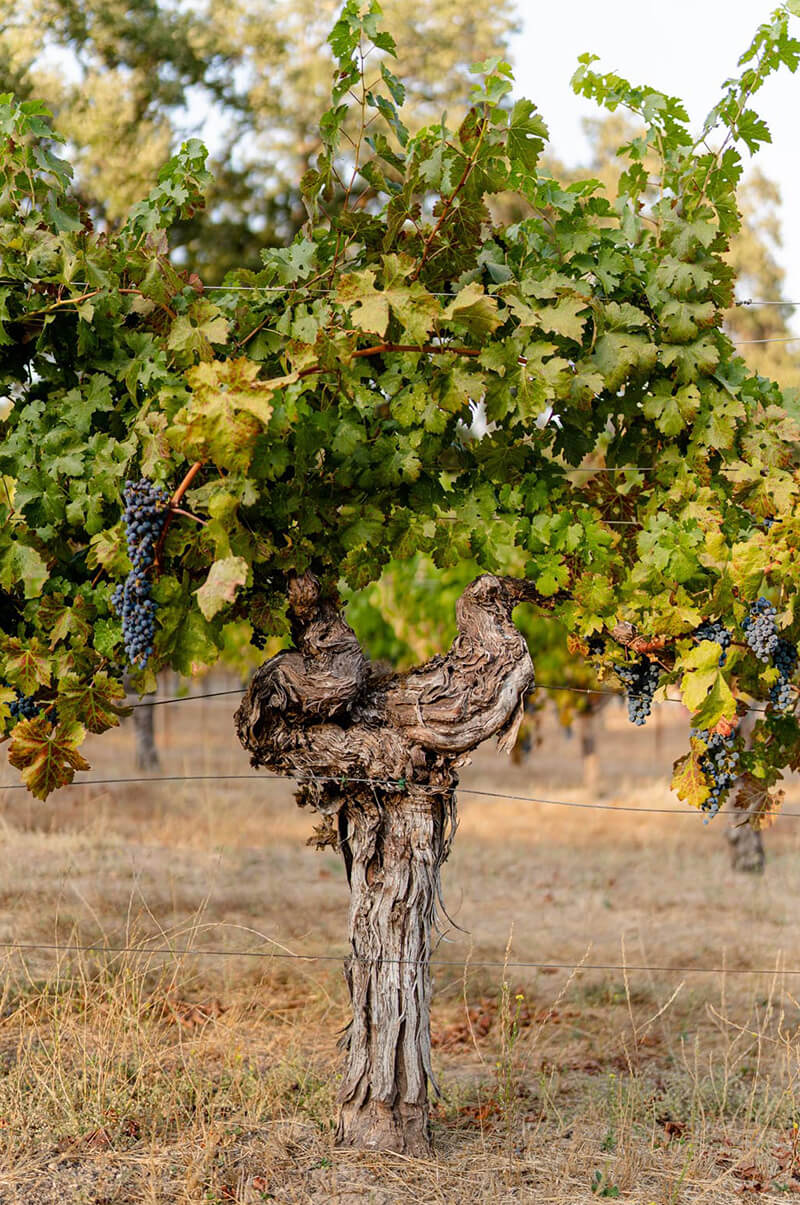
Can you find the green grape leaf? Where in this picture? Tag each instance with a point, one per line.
(718, 704)
(22, 562)
(672, 411)
(527, 135)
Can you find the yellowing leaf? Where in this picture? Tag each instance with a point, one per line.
(193, 333)
(689, 782)
(718, 704)
(219, 589)
(26, 564)
(98, 703)
(369, 308)
(474, 310)
(46, 756)
(27, 666)
(227, 412)
(564, 318)
(704, 689)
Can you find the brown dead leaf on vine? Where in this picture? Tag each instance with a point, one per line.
(759, 806)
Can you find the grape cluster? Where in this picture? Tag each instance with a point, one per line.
(785, 660)
(144, 515)
(759, 629)
(768, 523)
(712, 629)
(720, 766)
(24, 707)
(258, 639)
(640, 679)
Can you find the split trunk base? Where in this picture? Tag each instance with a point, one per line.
(394, 845)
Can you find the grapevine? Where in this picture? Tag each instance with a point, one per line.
(144, 515)
(641, 680)
(328, 396)
(272, 382)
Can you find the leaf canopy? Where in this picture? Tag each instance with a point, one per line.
(321, 412)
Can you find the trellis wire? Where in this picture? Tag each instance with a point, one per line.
(301, 288)
(80, 284)
(195, 951)
(575, 690)
(385, 783)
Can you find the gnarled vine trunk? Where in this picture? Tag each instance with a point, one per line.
(376, 754)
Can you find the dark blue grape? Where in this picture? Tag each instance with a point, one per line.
(759, 629)
(144, 515)
(640, 679)
(712, 629)
(782, 694)
(24, 707)
(720, 766)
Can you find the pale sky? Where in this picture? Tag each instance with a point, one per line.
(684, 47)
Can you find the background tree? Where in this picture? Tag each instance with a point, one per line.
(128, 81)
(287, 440)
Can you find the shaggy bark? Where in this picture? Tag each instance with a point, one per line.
(376, 754)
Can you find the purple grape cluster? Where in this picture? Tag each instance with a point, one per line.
(759, 629)
(144, 515)
(712, 629)
(640, 679)
(785, 661)
(258, 639)
(24, 707)
(720, 766)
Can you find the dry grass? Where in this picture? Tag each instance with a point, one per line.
(192, 1078)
